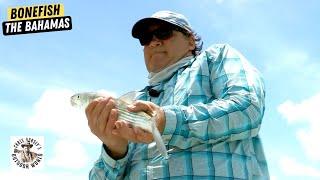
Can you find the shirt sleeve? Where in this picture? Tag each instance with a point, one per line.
(234, 111)
(108, 168)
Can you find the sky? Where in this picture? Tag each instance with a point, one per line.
(39, 72)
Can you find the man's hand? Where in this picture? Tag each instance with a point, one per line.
(102, 115)
(136, 134)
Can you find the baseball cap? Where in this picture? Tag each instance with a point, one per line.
(165, 16)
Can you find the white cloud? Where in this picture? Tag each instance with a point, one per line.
(231, 3)
(306, 112)
(272, 177)
(289, 60)
(53, 112)
(6, 74)
(35, 175)
(219, 1)
(297, 62)
(69, 154)
(9, 76)
(309, 138)
(238, 3)
(291, 167)
(14, 112)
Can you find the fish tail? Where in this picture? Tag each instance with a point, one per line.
(157, 137)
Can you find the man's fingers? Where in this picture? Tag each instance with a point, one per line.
(141, 106)
(104, 116)
(98, 109)
(90, 107)
(89, 114)
(132, 133)
(113, 116)
(143, 135)
(124, 130)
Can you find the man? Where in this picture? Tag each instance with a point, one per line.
(26, 155)
(209, 108)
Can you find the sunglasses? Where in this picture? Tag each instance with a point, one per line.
(161, 33)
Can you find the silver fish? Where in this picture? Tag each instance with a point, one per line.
(138, 119)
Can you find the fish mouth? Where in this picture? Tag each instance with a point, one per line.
(72, 101)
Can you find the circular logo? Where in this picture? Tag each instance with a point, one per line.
(27, 151)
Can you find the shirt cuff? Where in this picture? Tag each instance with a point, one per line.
(110, 161)
(171, 121)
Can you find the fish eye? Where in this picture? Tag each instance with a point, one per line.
(78, 96)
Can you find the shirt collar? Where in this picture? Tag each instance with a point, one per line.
(156, 78)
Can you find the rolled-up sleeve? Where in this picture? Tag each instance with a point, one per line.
(108, 168)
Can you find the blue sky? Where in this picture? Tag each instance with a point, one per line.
(38, 73)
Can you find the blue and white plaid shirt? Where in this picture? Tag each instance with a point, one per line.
(214, 107)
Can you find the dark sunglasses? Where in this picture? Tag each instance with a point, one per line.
(161, 33)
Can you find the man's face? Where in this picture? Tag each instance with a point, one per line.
(26, 148)
(159, 54)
